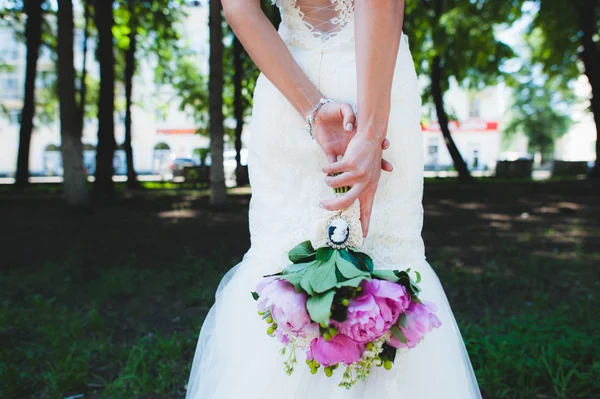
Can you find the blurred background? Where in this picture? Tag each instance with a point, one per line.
(124, 188)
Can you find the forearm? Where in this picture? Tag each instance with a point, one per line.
(378, 27)
(269, 52)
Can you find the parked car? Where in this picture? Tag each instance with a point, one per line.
(175, 168)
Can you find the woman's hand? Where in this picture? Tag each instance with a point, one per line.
(360, 168)
(334, 128)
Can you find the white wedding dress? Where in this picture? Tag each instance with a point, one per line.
(235, 358)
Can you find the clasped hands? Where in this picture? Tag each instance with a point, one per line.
(361, 160)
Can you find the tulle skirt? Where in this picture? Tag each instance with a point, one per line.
(235, 358)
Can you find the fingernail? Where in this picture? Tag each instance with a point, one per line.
(349, 127)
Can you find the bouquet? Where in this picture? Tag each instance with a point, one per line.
(333, 304)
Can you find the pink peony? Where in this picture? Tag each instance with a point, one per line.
(371, 314)
(420, 320)
(288, 308)
(339, 349)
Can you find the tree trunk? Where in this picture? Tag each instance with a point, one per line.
(33, 37)
(438, 98)
(215, 100)
(238, 71)
(590, 55)
(82, 82)
(75, 181)
(106, 104)
(132, 182)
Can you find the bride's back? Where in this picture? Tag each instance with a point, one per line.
(319, 19)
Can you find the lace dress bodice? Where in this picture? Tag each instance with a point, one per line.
(316, 23)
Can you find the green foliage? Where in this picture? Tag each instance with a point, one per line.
(556, 36)
(540, 112)
(461, 33)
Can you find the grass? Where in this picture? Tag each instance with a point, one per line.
(65, 335)
(124, 324)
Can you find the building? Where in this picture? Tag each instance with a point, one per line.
(475, 128)
(161, 131)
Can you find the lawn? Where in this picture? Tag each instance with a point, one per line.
(109, 304)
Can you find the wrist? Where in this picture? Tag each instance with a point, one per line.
(372, 130)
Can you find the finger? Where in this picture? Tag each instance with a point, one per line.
(341, 202)
(386, 144)
(348, 116)
(366, 207)
(344, 179)
(331, 158)
(336, 167)
(386, 166)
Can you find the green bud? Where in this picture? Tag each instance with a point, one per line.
(370, 346)
(388, 364)
(260, 313)
(326, 336)
(328, 371)
(345, 302)
(270, 330)
(269, 320)
(333, 331)
(313, 370)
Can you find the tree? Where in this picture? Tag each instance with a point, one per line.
(33, 38)
(564, 32)
(454, 39)
(130, 64)
(215, 93)
(75, 188)
(536, 113)
(149, 25)
(103, 13)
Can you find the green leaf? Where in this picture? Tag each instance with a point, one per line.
(353, 282)
(364, 258)
(305, 283)
(398, 334)
(319, 307)
(324, 253)
(323, 278)
(303, 251)
(389, 275)
(389, 352)
(418, 277)
(295, 279)
(255, 295)
(402, 320)
(348, 269)
(298, 267)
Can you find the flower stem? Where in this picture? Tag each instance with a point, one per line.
(341, 190)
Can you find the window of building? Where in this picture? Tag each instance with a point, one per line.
(475, 108)
(15, 117)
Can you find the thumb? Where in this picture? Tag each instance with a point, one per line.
(348, 116)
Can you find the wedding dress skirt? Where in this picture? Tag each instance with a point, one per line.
(235, 358)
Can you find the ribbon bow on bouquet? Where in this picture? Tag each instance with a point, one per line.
(333, 304)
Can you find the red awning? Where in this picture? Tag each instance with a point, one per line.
(466, 126)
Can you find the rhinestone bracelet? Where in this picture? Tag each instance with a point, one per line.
(310, 118)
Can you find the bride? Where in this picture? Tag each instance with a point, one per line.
(337, 94)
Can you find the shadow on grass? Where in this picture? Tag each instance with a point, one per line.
(110, 306)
